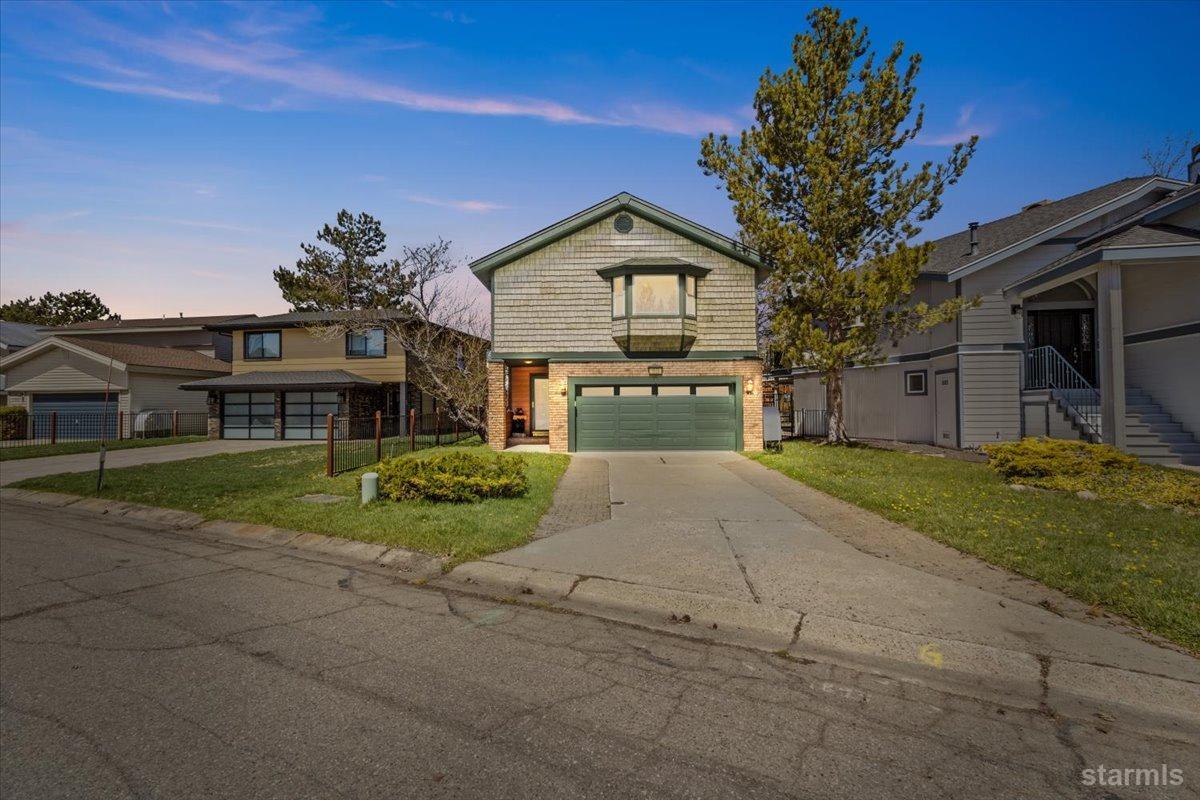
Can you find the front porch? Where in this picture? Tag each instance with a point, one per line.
(519, 404)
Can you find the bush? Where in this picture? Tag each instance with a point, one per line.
(456, 477)
(13, 422)
(1073, 466)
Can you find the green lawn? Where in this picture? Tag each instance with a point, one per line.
(1143, 564)
(263, 487)
(11, 452)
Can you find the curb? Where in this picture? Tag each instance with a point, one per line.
(413, 565)
(1008, 677)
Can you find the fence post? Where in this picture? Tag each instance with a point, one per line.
(456, 429)
(412, 430)
(53, 427)
(437, 427)
(329, 445)
(378, 435)
(174, 423)
(120, 425)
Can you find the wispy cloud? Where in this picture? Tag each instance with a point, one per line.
(472, 206)
(251, 65)
(965, 126)
(147, 89)
(197, 223)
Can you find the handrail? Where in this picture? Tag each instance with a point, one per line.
(1045, 368)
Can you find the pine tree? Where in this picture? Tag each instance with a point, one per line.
(819, 191)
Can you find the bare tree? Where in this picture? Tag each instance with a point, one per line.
(1168, 156)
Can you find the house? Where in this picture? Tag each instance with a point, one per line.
(186, 333)
(624, 327)
(288, 374)
(80, 378)
(14, 336)
(1088, 327)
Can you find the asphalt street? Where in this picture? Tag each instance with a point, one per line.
(142, 662)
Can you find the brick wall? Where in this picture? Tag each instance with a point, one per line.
(497, 405)
(746, 369)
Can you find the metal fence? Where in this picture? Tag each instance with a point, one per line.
(55, 427)
(354, 442)
(810, 422)
(1045, 368)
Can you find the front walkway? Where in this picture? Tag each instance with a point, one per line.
(706, 529)
(19, 470)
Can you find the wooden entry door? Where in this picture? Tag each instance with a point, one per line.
(1071, 332)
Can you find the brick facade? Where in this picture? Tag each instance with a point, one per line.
(746, 369)
(497, 406)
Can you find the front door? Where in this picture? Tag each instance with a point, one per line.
(539, 398)
(1070, 332)
(945, 410)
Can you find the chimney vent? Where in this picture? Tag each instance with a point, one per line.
(973, 227)
(1194, 166)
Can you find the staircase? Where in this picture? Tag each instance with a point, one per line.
(1153, 435)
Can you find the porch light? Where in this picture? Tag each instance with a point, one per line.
(528, 361)
(654, 370)
(750, 386)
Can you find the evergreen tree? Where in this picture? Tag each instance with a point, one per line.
(819, 191)
(53, 309)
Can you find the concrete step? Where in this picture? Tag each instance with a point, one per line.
(1155, 417)
(1143, 408)
(1183, 447)
(1148, 448)
(1165, 461)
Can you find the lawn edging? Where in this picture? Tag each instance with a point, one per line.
(414, 565)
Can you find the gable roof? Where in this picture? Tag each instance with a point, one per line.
(126, 355)
(109, 325)
(1009, 235)
(1138, 236)
(483, 267)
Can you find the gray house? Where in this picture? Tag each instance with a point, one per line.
(1088, 327)
(624, 327)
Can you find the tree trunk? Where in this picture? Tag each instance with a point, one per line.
(836, 432)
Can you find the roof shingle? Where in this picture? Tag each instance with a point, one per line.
(271, 379)
(140, 355)
(149, 322)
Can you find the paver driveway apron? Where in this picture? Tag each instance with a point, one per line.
(684, 521)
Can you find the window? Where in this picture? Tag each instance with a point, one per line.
(368, 344)
(597, 391)
(262, 345)
(618, 296)
(914, 382)
(714, 391)
(636, 391)
(655, 295)
(689, 296)
(674, 391)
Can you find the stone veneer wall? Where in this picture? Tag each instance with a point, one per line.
(214, 415)
(746, 369)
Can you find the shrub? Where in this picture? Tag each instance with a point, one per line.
(1073, 466)
(456, 477)
(13, 422)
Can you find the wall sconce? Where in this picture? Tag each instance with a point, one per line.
(563, 391)
(1015, 308)
(654, 370)
(750, 386)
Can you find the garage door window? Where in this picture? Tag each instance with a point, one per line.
(249, 415)
(674, 391)
(635, 391)
(304, 413)
(714, 391)
(597, 391)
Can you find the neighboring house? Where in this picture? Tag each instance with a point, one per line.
(624, 327)
(1089, 327)
(14, 336)
(288, 375)
(188, 333)
(74, 376)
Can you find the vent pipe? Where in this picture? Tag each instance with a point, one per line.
(973, 227)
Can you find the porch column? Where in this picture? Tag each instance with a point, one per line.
(1110, 343)
(497, 405)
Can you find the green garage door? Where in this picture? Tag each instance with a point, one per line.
(700, 416)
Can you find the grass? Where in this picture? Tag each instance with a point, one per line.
(14, 452)
(1141, 563)
(264, 487)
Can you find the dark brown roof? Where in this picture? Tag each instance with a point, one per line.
(954, 251)
(297, 319)
(331, 378)
(140, 355)
(150, 322)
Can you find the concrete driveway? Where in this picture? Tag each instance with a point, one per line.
(710, 525)
(19, 470)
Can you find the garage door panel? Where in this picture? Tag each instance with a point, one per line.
(688, 417)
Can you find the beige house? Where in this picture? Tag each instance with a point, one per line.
(288, 375)
(1088, 327)
(624, 327)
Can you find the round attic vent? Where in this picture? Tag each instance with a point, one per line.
(623, 223)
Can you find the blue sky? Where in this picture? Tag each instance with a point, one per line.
(169, 155)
